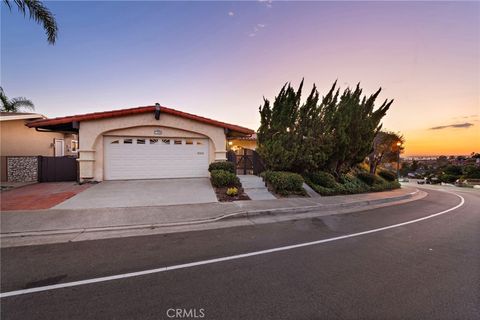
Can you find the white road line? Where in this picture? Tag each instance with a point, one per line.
(234, 257)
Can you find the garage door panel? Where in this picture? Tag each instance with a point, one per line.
(155, 160)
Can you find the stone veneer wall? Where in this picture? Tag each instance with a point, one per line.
(22, 169)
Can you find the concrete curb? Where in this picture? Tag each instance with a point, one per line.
(236, 215)
(330, 207)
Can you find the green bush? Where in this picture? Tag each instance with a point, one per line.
(388, 175)
(386, 185)
(355, 185)
(322, 190)
(368, 178)
(350, 184)
(222, 178)
(472, 172)
(285, 182)
(223, 165)
(453, 170)
(449, 178)
(323, 179)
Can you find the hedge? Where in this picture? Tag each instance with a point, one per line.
(352, 184)
(323, 179)
(388, 175)
(223, 165)
(369, 178)
(284, 183)
(449, 178)
(222, 178)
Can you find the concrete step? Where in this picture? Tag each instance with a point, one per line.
(255, 188)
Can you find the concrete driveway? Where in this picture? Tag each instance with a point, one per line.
(142, 193)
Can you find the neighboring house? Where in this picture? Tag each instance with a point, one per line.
(145, 142)
(21, 146)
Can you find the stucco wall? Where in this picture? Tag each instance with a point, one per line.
(92, 132)
(246, 144)
(19, 140)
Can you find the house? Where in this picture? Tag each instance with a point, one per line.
(147, 142)
(21, 146)
(237, 144)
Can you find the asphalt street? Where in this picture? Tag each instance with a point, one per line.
(425, 270)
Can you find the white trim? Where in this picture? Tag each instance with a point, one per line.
(22, 117)
(228, 258)
(62, 153)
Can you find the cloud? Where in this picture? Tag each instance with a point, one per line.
(455, 125)
(268, 3)
(256, 29)
(473, 116)
(231, 13)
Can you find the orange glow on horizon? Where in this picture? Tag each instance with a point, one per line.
(442, 142)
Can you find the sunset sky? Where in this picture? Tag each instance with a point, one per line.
(218, 59)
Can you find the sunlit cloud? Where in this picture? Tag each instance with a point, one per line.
(231, 13)
(260, 25)
(465, 125)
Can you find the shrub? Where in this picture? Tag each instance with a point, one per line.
(323, 191)
(222, 178)
(355, 185)
(387, 175)
(285, 182)
(449, 178)
(223, 165)
(472, 172)
(232, 191)
(323, 179)
(386, 185)
(350, 184)
(368, 178)
(453, 170)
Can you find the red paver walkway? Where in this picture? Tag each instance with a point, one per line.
(39, 195)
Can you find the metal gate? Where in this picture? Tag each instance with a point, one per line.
(246, 161)
(55, 169)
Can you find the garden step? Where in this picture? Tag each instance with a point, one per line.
(255, 188)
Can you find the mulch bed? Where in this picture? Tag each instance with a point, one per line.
(223, 197)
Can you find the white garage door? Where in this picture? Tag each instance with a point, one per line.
(154, 158)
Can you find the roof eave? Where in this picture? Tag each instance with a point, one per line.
(44, 123)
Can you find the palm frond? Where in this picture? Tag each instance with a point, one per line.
(22, 102)
(7, 2)
(4, 100)
(40, 14)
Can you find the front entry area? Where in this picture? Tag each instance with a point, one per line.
(128, 158)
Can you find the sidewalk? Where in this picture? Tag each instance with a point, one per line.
(63, 221)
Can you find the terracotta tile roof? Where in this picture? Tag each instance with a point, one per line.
(132, 111)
